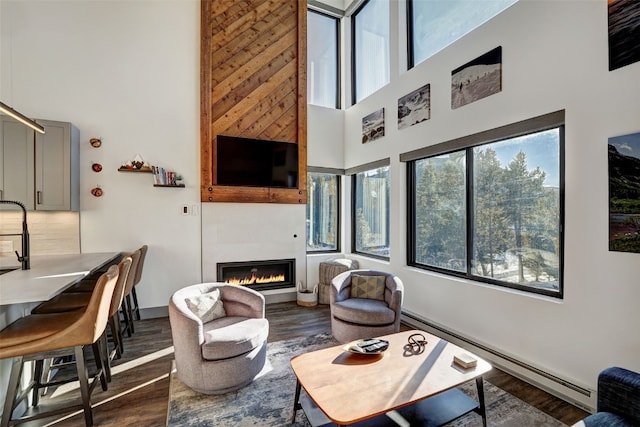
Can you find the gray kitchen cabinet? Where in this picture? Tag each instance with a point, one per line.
(16, 162)
(57, 167)
(41, 170)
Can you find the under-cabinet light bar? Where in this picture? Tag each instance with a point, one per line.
(4, 108)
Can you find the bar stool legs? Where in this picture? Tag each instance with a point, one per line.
(40, 336)
(12, 389)
(14, 396)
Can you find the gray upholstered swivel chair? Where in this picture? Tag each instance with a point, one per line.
(226, 353)
(365, 304)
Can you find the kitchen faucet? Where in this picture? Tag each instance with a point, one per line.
(24, 259)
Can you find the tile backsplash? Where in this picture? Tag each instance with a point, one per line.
(49, 232)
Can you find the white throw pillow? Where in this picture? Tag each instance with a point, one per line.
(207, 306)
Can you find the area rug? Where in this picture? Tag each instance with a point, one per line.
(268, 401)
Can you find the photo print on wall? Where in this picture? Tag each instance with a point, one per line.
(373, 126)
(624, 193)
(414, 107)
(477, 79)
(624, 33)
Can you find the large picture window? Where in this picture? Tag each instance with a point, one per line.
(492, 211)
(435, 24)
(370, 64)
(370, 210)
(323, 212)
(322, 60)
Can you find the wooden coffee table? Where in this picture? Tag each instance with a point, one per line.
(372, 390)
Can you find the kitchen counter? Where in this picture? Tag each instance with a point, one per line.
(49, 275)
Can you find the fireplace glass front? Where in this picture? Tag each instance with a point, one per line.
(258, 275)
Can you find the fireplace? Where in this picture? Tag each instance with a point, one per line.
(259, 275)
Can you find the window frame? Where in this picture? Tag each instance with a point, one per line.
(338, 89)
(354, 172)
(526, 127)
(410, 31)
(338, 173)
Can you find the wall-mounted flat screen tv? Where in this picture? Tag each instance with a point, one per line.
(251, 162)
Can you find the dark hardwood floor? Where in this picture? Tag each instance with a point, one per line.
(138, 393)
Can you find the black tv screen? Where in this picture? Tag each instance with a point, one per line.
(251, 162)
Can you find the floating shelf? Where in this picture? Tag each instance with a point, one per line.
(143, 170)
(174, 186)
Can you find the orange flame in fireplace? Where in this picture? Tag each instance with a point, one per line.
(255, 279)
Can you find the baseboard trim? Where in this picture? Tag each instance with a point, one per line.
(575, 394)
(154, 312)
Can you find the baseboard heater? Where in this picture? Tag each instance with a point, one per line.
(584, 391)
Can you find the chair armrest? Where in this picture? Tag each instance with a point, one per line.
(242, 301)
(339, 284)
(619, 393)
(186, 327)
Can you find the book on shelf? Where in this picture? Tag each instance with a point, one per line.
(163, 177)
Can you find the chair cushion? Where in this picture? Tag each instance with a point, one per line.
(371, 287)
(232, 336)
(363, 311)
(207, 306)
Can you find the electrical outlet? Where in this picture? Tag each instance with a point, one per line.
(6, 246)
(194, 210)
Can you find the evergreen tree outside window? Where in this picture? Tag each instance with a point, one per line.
(323, 212)
(516, 210)
(371, 212)
(492, 212)
(440, 228)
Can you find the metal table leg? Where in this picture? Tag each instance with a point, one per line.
(482, 408)
(296, 401)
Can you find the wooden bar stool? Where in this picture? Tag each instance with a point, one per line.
(127, 305)
(134, 295)
(89, 282)
(40, 336)
(79, 301)
(127, 309)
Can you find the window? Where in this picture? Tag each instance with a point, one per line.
(370, 213)
(323, 211)
(491, 209)
(370, 25)
(440, 211)
(322, 60)
(435, 24)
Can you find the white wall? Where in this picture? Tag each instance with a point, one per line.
(128, 72)
(554, 57)
(253, 232)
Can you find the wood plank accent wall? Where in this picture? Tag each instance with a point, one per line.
(253, 85)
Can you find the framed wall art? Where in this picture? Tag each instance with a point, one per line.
(415, 107)
(373, 126)
(624, 33)
(477, 79)
(624, 193)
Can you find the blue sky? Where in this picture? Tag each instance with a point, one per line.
(541, 150)
(628, 145)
